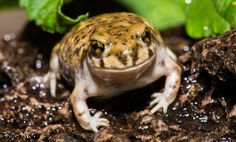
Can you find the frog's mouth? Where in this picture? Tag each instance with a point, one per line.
(121, 74)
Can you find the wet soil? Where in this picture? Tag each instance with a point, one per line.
(204, 110)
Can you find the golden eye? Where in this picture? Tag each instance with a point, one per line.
(146, 36)
(97, 47)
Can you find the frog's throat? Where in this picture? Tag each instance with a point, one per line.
(125, 74)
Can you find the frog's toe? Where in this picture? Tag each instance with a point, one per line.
(52, 79)
(157, 97)
(53, 84)
(97, 122)
(97, 114)
(160, 102)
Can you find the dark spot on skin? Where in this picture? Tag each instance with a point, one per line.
(83, 36)
(162, 63)
(81, 113)
(83, 45)
(81, 65)
(86, 123)
(178, 70)
(122, 58)
(89, 25)
(68, 47)
(76, 42)
(92, 32)
(101, 63)
(67, 72)
(116, 17)
(134, 54)
(90, 56)
(132, 37)
(69, 55)
(137, 19)
(130, 15)
(77, 51)
(174, 86)
(89, 31)
(157, 42)
(119, 54)
(150, 52)
(130, 22)
(76, 38)
(83, 54)
(116, 34)
(124, 43)
(73, 99)
(135, 36)
(99, 23)
(86, 91)
(107, 44)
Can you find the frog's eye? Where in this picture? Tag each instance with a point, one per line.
(97, 47)
(146, 36)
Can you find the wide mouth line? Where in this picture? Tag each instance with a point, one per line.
(123, 69)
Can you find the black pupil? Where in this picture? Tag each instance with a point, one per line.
(146, 37)
(97, 47)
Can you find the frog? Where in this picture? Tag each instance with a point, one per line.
(109, 54)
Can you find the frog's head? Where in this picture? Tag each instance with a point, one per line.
(122, 48)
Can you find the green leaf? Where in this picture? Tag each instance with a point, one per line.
(203, 20)
(227, 9)
(161, 13)
(48, 15)
(230, 14)
(221, 5)
(23, 3)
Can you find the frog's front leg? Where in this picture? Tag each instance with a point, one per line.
(172, 71)
(81, 111)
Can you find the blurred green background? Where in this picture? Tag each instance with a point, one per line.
(201, 18)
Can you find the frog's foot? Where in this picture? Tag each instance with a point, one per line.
(159, 101)
(52, 79)
(96, 122)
